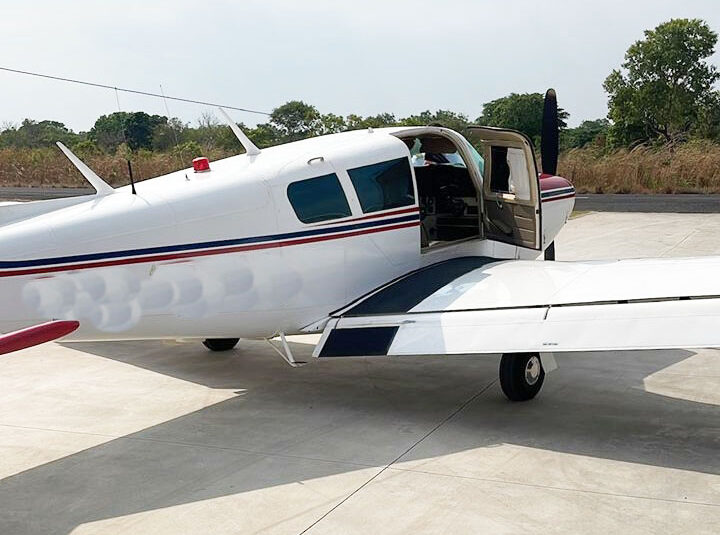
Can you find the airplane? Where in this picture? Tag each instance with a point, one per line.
(390, 241)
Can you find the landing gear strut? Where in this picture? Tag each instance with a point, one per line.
(550, 252)
(521, 375)
(220, 344)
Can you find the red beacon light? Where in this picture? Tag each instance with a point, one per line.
(201, 164)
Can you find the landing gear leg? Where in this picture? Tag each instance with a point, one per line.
(220, 344)
(521, 375)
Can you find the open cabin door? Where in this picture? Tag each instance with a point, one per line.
(511, 189)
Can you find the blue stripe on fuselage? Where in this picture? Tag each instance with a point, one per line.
(555, 193)
(12, 264)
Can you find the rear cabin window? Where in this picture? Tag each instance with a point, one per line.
(383, 185)
(318, 199)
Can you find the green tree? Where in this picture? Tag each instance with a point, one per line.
(665, 83)
(521, 112)
(580, 136)
(357, 122)
(708, 124)
(32, 134)
(139, 128)
(185, 152)
(446, 118)
(85, 148)
(296, 120)
(134, 128)
(108, 132)
(331, 124)
(168, 134)
(264, 135)
(210, 133)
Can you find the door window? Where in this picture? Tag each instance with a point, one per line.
(499, 170)
(519, 178)
(508, 173)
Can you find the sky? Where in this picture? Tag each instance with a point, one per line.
(363, 57)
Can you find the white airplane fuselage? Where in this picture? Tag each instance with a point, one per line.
(223, 254)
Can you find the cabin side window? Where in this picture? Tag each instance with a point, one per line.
(318, 199)
(383, 185)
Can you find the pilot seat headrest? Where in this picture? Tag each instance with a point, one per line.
(437, 145)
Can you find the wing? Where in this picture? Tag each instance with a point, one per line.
(480, 305)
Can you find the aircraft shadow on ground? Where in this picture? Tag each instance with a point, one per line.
(331, 417)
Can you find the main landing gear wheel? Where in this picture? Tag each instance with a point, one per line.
(220, 344)
(521, 375)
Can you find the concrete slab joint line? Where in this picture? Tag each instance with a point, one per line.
(396, 459)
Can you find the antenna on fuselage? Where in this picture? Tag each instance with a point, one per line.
(101, 187)
(249, 146)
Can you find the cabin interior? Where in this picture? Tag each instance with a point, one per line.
(457, 203)
(448, 197)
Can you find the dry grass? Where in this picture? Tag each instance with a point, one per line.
(49, 168)
(691, 168)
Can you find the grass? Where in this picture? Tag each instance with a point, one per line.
(690, 168)
(48, 167)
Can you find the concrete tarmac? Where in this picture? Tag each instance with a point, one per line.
(584, 202)
(681, 203)
(151, 437)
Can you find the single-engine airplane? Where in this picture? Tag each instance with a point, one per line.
(388, 241)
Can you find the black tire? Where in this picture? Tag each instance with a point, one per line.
(220, 344)
(521, 375)
(550, 252)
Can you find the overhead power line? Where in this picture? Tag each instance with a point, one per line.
(125, 90)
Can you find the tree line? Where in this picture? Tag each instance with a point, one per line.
(663, 93)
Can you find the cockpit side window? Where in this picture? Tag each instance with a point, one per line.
(384, 185)
(318, 199)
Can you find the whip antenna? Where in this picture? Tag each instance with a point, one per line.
(129, 165)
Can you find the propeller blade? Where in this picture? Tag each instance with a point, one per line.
(35, 335)
(550, 138)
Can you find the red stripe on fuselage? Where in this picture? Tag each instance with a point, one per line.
(375, 216)
(192, 254)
